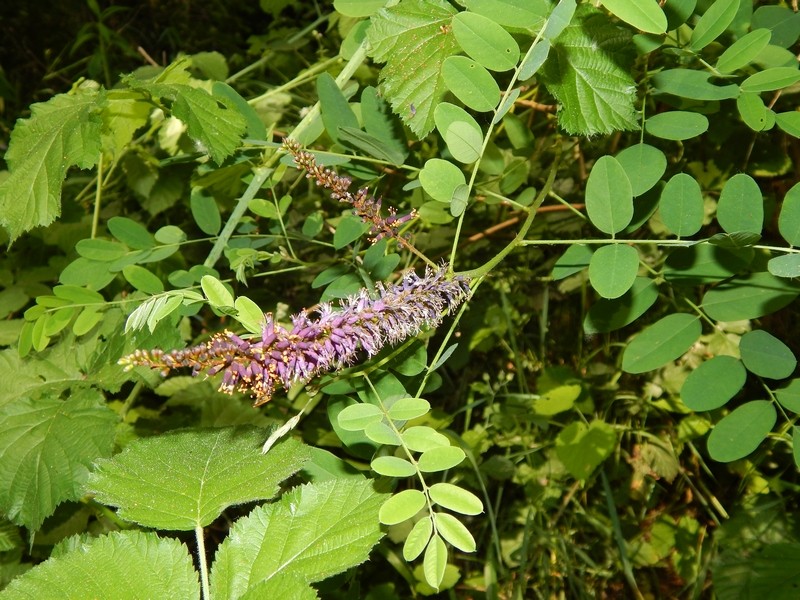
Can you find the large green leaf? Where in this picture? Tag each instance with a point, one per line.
(713, 23)
(588, 70)
(413, 39)
(185, 479)
(681, 205)
(688, 83)
(60, 133)
(46, 448)
(313, 532)
(661, 342)
(743, 51)
(789, 220)
(740, 432)
(644, 165)
(122, 565)
(485, 41)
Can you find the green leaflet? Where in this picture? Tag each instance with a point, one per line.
(409, 37)
(742, 431)
(590, 75)
(60, 133)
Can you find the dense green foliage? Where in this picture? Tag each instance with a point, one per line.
(612, 412)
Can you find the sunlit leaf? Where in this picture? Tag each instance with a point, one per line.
(642, 14)
(582, 448)
(401, 506)
(485, 41)
(46, 448)
(122, 564)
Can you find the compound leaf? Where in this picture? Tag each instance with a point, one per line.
(661, 342)
(740, 432)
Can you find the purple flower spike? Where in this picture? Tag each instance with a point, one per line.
(281, 357)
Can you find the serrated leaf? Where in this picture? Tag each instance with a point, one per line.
(714, 383)
(766, 356)
(414, 40)
(660, 343)
(417, 539)
(123, 564)
(214, 121)
(324, 528)
(742, 431)
(455, 498)
(485, 41)
(61, 133)
(435, 561)
(741, 206)
(681, 205)
(184, 479)
(46, 447)
(613, 269)
(588, 71)
(609, 198)
(642, 14)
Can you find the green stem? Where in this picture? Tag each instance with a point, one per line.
(259, 177)
(519, 239)
(98, 196)
(201, 555)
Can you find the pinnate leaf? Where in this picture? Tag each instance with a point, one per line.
(590, 75)
(435, 561)
(46, 447)
(409, 38)
(642, 14)
(61, 133)
(401, 506)
(714, 383)
(184, 479)
(418, 538)
(455, 498)
(122, 564)
(661, 342)
(312, 532)
(609, 197)
(612, 270)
